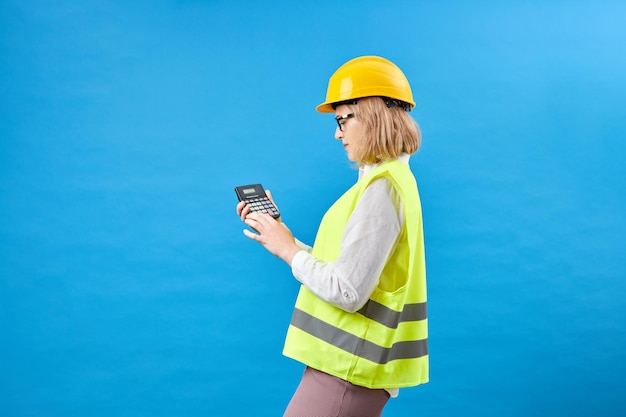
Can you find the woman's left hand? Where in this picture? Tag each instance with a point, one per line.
(274, 236)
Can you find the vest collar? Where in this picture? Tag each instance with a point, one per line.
(365, 169)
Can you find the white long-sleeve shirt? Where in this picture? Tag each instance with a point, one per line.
(368, 239)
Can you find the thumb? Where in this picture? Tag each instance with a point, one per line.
(268, 193)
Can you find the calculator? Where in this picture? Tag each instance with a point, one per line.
(255, 198)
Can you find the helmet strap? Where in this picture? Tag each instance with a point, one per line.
(389, 102)
(347, 102)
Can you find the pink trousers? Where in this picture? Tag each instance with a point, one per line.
(323, 395)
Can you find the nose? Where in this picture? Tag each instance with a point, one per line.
(338, 133)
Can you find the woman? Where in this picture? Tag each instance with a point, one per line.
(359, 323)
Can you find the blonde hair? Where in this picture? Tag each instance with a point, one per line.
(388, 132)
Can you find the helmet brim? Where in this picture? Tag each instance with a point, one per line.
(325, 108)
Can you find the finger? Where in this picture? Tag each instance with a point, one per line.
(265, 219)
(262, 216)
(268, 193)
(244, 212)
(256, 221)
(259, 216)
(250, 221)
(250, 235)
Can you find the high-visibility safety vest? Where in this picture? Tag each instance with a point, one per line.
(384, 344)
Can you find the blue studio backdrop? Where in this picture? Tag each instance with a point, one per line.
(127, 287)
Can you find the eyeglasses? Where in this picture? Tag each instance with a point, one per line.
(340, 120)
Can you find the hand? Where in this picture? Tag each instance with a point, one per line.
(273, 235)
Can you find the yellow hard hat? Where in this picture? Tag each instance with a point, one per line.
(367, 76)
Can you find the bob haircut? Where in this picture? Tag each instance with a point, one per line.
(388, 132)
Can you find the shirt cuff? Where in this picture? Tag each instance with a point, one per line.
(298, 263)
(303, 246)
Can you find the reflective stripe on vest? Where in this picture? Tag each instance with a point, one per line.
(348, 342)
(391, 318)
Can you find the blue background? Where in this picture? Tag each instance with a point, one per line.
(127, 287)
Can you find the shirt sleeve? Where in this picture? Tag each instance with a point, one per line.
(303, 246)
(368, 239)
